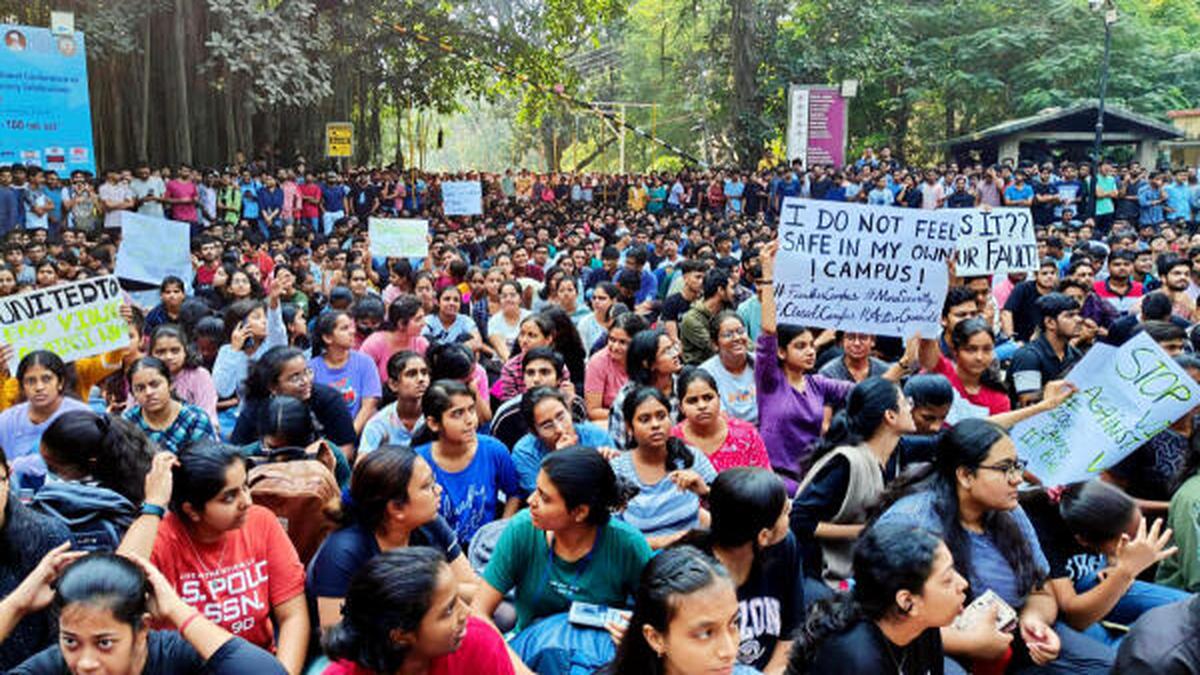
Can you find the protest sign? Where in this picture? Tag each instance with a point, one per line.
(870, 269)
(398, 237)
(462, 198)
(1125, 397)
(997, 241)
(153, 249)
(73, 320)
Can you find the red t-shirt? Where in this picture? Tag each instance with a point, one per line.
(482, 652)
(311, 191)
(994, 400)
(236, 581)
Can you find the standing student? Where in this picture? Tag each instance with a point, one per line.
(906, 589)
(336, 363)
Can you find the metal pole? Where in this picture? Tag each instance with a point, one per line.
(1103, 89)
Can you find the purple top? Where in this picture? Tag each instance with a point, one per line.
(790, 420)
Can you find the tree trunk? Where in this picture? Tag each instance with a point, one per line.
(180, 121)
(143, 132)
(743, 58)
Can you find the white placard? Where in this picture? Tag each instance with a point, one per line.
(994, 241)
(73, 320)
(462, 198)
(153, 249)
(398, 237)
(1126, 396)
(870, 269)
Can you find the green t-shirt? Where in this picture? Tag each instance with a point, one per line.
(1182, 570)
(606, 576)
(1105, 184)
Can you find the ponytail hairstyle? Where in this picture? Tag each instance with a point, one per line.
(1093, 512)
(104, 581)
(326, 323)
(392, 592)
(678, 454)
(170, 331)
(200, 475)
(584, 478)
(402, 310)
(744, 501)
(965, 330)
(379, 478)
(929, 389)
(677, 571)
(438, 398)
(966, 445)
(641, 355)
(50, 361)
(567, 342)
(289, 420)
(112, 450)
(450, 361)
(888, 559)
(266, 369)
(865, 413)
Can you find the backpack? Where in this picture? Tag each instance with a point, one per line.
(97, 517)
(296, 488)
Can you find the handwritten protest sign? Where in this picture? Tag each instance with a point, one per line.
(998, 241)
(870, 269)
(153, 249)
(73, 320)
(398, 237)
(462, 198)
(1126, 396)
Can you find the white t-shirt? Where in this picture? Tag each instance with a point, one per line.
(151, 187)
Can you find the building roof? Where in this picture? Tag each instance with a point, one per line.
(1175, 114)
(1079, 117)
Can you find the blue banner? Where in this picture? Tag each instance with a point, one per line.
(45, 117)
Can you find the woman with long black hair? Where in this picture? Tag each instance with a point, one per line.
(968, 497)
(652, 360)
(906, 588)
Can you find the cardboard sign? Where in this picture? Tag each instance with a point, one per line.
(869, 269)
(1126, 396)
(997, 241)
(153, 249)
(398, 237)
(82, 318)
(462, 198)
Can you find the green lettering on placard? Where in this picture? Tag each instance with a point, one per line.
(1095, 465)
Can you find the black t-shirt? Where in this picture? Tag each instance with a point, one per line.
(1025, 313)
(169, 654)
(1043, 213)
(863, 649)
(1068, 560)
(770, 602)
(345, 552)
(674, 307)
(326, 405)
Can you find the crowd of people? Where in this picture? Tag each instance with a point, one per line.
(573, 437)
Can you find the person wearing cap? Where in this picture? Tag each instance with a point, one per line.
(1048, 356)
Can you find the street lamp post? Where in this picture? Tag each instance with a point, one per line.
(1110, 17)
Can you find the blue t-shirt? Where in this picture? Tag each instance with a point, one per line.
(529, 452)
(332, 197)
(989, 568)
(358, 379)
(250, 199)
(345, 551)
(662, 508)
(458, 331)
(1012, 193)
(469, 497)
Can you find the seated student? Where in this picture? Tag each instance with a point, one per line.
(551, 428)
(405, 613)
(685, 619)
(542, 367)
(968, 497)
(25, 537)
(284, 370)
(252, 328)
(43, 378)
(931, 396)
(856, 362)
(287, 424)
(336, 363)
(229, 557)
(102, 603)
(166, 421)
(190, 381)
(606, 374)
(749, 536)
(906, 588)
(399, 421)
(653, 361)
(972, 372)
(537, 330)
(1050, 354)
(733, 367)
(726, 440)
(472, 468)
(392, 503)
(451, 361)
(1163, 642)
(566, 547)
(1097, 543)
(847, 479)
(672, 477)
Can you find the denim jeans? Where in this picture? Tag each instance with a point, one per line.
(1141, 597)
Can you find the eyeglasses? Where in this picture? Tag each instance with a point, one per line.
(735, 333)
(560, 421)
(301, 377)
(1011, 470)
